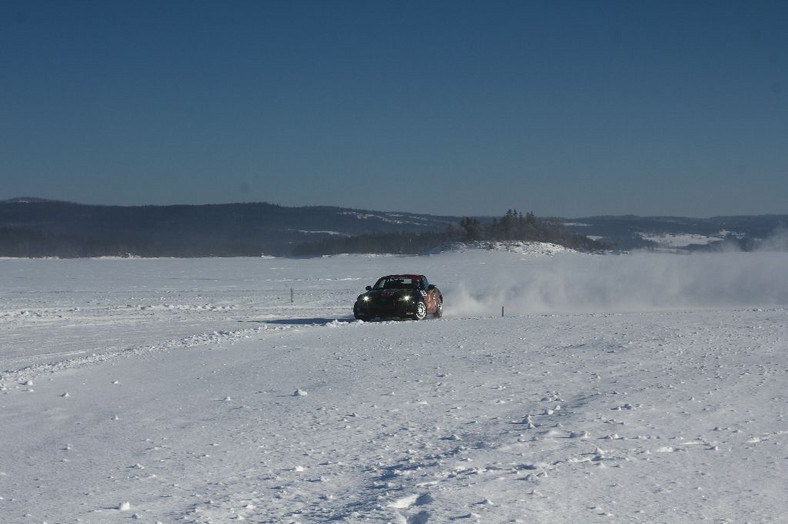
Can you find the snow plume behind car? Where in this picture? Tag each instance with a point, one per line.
(578, 283)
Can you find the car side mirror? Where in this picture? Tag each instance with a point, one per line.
(431, 287)
(369, 288)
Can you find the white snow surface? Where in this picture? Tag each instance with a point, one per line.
(642, 388)
(682, 240)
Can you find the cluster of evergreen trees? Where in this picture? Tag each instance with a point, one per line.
(513, 225)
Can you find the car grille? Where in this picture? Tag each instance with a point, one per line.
(384, 304)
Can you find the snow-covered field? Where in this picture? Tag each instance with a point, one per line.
(641, 388)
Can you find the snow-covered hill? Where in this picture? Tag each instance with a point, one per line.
(646, 388)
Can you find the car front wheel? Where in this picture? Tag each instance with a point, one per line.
(421, 310)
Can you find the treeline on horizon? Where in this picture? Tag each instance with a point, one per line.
(210, 237)
(31, 243)
(512, 226)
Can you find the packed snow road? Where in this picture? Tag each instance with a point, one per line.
(633, 389)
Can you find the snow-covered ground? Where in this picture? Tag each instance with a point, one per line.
(673, 241)
(642, 388)
(668, 240)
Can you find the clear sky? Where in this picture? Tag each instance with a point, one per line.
(565, 108)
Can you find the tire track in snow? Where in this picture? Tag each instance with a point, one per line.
(28, 373)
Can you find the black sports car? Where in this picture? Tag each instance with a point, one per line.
(399, 296)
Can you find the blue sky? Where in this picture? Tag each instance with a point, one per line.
(565, 108)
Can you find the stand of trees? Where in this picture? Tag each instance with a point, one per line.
(513, 225)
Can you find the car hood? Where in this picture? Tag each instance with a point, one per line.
(389, 293)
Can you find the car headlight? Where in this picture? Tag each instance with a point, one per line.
(365, 298)
(406, 298)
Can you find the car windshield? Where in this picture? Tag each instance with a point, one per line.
(397, 283)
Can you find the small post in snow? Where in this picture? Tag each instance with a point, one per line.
(292, 299)
(501, 311)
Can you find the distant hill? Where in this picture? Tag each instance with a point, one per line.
(33, 227)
